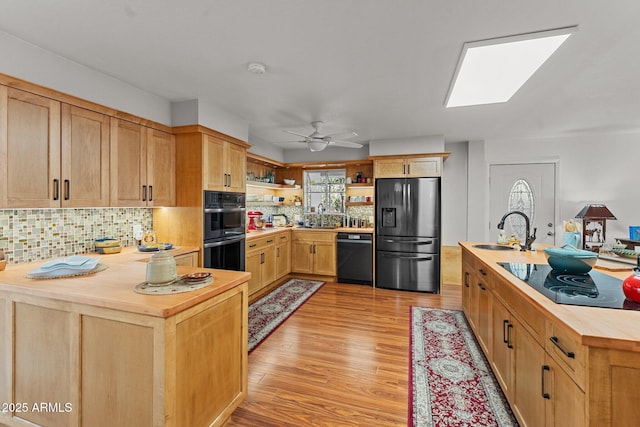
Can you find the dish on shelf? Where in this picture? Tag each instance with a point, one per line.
(70, 266)
(625, 253)
(289, 181)
(154, 247)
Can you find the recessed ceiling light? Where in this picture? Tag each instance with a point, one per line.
(491, 71)
(257, 68)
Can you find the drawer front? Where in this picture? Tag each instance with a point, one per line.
(314, 236)
(260, 243)
(528, 315)
(283, 237)
(565, 349)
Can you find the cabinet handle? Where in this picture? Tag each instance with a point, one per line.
(466, 279)
(310, 249)
(270, 241)
(484, 273)
(278, 252)
(545, 394)
(56, 189)
(229, 176)
(144, 193)
(408, 169)
(283, 237)
(509, 329)
(569, 354)
(151, 193)
(253, 246)
(66, 189)
(262, 258)
(481, 286)
(504, 331)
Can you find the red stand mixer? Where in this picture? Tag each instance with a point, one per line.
(255, 220)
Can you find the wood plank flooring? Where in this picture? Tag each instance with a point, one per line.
(342, 359)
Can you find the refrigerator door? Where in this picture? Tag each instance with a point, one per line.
(408, 271)
(422, 201)
(390, 207)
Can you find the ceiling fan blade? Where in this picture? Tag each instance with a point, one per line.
(347, 144)
(341, 135)
(296, 133)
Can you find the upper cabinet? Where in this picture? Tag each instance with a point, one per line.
(413, 166)
(225, 165)
(51, 154)
(142, 166)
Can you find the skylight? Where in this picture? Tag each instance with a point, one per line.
(492, 71)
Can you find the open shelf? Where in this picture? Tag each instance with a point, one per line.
(258, 184)
(360, 185)
(358, 203)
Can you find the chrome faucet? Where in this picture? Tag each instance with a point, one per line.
(321, 213)
(528, 239)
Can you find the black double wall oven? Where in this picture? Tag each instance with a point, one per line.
(224, 230)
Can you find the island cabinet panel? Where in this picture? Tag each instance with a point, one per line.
(45, 365)
(117, 361)
(209, 378)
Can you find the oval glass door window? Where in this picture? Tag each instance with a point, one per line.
(521, 199)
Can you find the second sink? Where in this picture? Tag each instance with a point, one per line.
(494, 247)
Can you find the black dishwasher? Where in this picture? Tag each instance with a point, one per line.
(355, 258)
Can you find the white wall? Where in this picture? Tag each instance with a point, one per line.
(592, 168)
(35, 65)
(477, 192)
(454, 194)
(411, 145)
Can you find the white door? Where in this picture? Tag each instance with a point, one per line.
(529, 188)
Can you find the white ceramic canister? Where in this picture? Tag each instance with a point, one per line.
(161, 268)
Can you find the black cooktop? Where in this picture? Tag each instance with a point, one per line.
(594, 289)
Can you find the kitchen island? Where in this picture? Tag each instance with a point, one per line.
(90, 351)
(557, 364)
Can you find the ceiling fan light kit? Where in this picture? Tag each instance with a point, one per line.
(257, 68)
(317, 145)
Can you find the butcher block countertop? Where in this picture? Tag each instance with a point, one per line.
(114, 287)
(597, 327)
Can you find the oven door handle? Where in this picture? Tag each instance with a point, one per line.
(219, 210)
(223, 242)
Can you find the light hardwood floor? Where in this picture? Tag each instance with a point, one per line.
(341, 360)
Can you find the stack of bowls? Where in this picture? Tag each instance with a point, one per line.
(571, 260)
(108, 245)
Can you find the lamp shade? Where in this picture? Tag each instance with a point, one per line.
(595, 212)
(317, 145)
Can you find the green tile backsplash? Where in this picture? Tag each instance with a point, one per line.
(36, 234)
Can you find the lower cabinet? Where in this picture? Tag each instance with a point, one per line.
(283, 255)
(190, 259)
(313, 253)
(268, 259)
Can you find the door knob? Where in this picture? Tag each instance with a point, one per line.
(550, 233)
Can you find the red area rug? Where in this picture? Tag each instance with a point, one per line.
(450, 381)
(267, 313)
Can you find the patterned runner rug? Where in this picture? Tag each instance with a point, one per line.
(267, 313)
(450, 382)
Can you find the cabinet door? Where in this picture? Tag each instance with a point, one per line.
(527, 404)
(502, 347)
(190, 259)
(161, 168)
(325, 258)
(29, 150)
(485, 326)
(389, 168)
(213, 170)
(423, 167)
(466, 289)
(85, 158)
(253, 264)
(128, 164)
(566, 402)
(236, 168)
(474, 295)
(268, 265)
(283, 259)
(302, 257)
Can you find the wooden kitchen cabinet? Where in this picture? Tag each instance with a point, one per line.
(313, 253)
(225, 168)
(190, 259)
(407, 166)
(51, 154)
(477, 299)
(142, 166)
(260, 261)
(283, 254)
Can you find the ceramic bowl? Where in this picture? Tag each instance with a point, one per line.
(569, 259)
(289, 181)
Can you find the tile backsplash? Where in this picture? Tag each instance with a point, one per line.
(35, 234)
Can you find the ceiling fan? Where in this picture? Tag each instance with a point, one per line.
(318, 141)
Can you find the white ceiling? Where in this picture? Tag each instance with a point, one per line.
(379, 67)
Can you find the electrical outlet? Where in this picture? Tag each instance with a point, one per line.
(137, 231)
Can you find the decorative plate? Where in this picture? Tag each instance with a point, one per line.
(60, 274)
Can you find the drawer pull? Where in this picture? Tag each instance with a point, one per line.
(481, 270)
(545, 394)
(270, 241)
(466, 279)
(569, 354)
(504, 331)
(253, 246)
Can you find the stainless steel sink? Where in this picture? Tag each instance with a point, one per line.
(494, 247)
(319, 227)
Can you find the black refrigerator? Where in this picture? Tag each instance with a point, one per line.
(408, 234)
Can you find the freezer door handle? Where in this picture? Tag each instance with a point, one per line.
(414, 258)
(418, 242)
